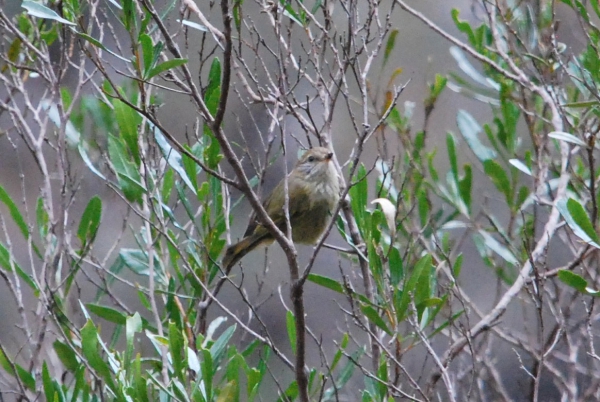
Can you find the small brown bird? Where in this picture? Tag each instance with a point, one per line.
(313, 188)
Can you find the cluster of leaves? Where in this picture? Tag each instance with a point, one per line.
(412, 258)
(178, 249)
(178, 252)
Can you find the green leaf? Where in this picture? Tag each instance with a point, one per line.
(577, 282)
(36, 9)
(424, 206)
(334, 285)
(470, 130)
(429, 302)
(338, 354)
(108, 313)
(66, 355)
(6, 259)
(177, 350)
(562, 136)
(167, 65)
(133, 325)
(90, 221)
(81, 386)
(511, 114)
(445, 324)
(127, 172)
(14, 212)
(99, 44)
(457, 267)
(522, 196)
(16, 370)
(171, 306)
(578, 220)
(291, 329)
(348, 370)
(389, 45)
(228, 392)
(581, 218)
(423, 294)
(213, 89)
(290, 394)
(89, 346)
(208, 371)
(167, 185)
(192, 169)
(358, 195)
(86, 159)
(218, 348)
(494, 245)
(582, 104)
(14, 50)
(594, 5)
(147, 53)
(128, 15)
(572, 279)
(396, 266)
(465, 186)
(47, 382)
(326, 282)
(128, 121)
(403, 298)
(174, 159)
(431, 167)
(136, 260)
(139, 380)
(237, 15)
(375, 263)
(289, 12)
(42, 218)
(450, 146)
(383, 376)
(500, 179)
(375, 318)
(254, 379)
(438, 86)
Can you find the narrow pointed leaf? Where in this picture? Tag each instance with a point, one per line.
(470, 130)
(36, 9)
(90, 221)
(577, 219)
(562, 136)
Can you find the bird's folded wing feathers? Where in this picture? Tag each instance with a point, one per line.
(298, 205)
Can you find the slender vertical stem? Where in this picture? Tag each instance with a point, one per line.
(297, 295)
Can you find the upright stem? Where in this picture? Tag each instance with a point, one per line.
(297, 295)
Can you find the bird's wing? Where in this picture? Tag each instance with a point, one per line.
(298, 205)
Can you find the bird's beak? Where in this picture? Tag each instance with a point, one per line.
(329, 156)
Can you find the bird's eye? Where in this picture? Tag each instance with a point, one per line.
(311, 159)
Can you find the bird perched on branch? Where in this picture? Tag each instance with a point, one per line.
(313, 188)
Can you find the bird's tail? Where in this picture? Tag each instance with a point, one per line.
(237, 251)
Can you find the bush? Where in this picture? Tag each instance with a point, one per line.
(112, 240)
